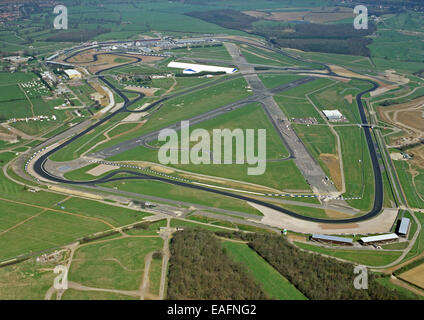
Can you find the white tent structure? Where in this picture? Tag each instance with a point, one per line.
(196, 68)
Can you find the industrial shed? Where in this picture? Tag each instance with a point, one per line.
(390, 237)
(333, 115)
(73, 74)
(332, 239)
(403, 229)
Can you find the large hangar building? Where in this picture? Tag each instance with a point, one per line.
(196, 68)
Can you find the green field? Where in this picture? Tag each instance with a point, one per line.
(308, 88)
(248, 117)
(84, 143)
(188, 224)
(385, 281)
(115, 215)
(260, 56)
(410, 191)
(210, 52)
(366, 257)
(274, 284)
(352, 62)
(114, 264)
(357, 167)
(275, 80)
(418, 246)
(47, 230)
(297, 107)
(155, 275)
(72, 294)
(151, 229)
(189, 105)
(321, 142)
(121, 128)
(282, 175)
(168, 191)
(335, 97)
(26, 281)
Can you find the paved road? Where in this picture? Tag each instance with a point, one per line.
(165, 258)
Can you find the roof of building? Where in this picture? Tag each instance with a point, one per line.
(200, 67)
(331, 238)
(72, 72)
(404, 226)
(382, 237)
(332, 113)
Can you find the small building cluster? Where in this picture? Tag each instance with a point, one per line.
(49, 78)
(402, 230)
(49, 258)
(35, 118)
(17, 59)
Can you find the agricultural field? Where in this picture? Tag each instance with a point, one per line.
(415, 276)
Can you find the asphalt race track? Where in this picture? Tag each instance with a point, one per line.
(39, 165)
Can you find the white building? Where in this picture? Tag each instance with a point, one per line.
(403, 229)
(333, 115)
(73, 74)
(196, 68)
(379, 239)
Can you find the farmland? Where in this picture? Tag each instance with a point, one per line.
(275, 285)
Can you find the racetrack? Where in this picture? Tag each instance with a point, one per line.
(39, 165)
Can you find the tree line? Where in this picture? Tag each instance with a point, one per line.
(316, 276)
(200, 269)
(331, 38)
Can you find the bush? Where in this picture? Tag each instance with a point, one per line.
(157, 255)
